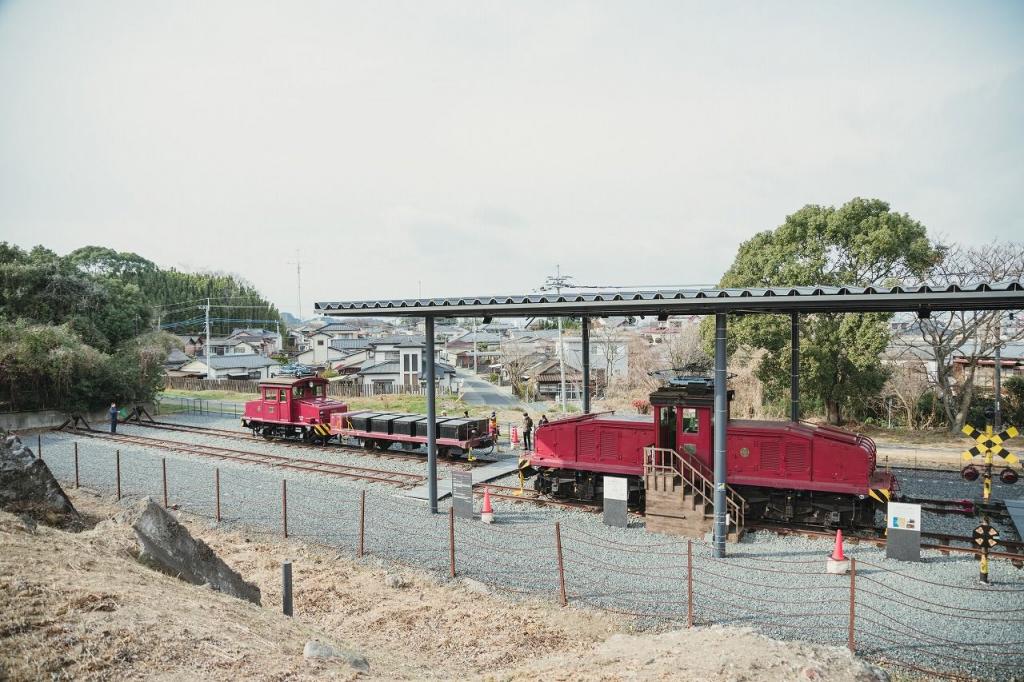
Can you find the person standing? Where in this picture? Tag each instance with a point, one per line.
(113, 417)
(527, 432)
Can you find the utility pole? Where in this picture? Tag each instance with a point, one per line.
(206, 346)
(556, 283)
(475, 370)
(298, 284)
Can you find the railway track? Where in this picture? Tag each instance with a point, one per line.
(395, 478)
(943, 541)
(362, 452)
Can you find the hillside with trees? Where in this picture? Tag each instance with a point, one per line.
(80, 330)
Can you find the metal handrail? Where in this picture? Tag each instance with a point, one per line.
(667, 460)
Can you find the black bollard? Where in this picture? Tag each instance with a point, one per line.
(286, 592)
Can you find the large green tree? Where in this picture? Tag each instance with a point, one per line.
(860, 243)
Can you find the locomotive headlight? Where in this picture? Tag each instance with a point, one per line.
(1008, 476)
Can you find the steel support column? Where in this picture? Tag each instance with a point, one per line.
(585, 326)
(721, 417)
(431, 415)
(794, 367)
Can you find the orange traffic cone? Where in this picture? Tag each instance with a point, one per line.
(837, 553)
(486, 513)
(838, 564)
(514, 438)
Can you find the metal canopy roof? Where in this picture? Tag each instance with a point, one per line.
(698, 301)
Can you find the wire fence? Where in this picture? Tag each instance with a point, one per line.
(885, 615)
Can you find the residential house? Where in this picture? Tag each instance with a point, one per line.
(398, 361)
(176, 359)
(460, 350)
(546, 377)
(231, 366)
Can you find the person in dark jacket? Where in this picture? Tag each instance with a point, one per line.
(527, 432)
(113, 417)
(543, 421)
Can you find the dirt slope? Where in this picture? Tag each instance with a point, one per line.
(79, 606)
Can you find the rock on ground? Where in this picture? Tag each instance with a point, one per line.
(315, 649)
(28, 487)
(167, 545)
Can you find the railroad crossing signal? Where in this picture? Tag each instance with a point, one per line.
(990, 443)
(985, 536)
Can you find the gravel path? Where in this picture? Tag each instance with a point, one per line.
(932, 614)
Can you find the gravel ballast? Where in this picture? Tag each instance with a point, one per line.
(932, 614)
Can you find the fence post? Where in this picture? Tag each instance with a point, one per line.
(76, 464)
(286, 591)
(362, 521)
(689, 583)
(117, 463)
(163, 462)
(39, 445)
(284, 505)
(216, 485)
(451, 539)
(561, 566)
(853, 603)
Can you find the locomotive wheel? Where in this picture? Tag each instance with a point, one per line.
(382, 444)
(368, 443)
(268, 432)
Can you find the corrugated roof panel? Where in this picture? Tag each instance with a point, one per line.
(692, 300)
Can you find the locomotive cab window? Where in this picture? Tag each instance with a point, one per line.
(690, 422)
(270, 394)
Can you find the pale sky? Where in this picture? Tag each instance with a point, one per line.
(468, 147)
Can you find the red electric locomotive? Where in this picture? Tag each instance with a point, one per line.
(290, 407)
(785, 471)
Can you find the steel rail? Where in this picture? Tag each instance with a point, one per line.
(363, 452)
(401, 479)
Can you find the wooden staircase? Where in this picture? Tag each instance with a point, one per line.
(679, 493)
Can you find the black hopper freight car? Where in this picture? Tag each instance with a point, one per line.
(379, 430)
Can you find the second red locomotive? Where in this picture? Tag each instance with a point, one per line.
(783, 471)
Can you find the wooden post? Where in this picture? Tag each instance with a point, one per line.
(76, 464)
(689, 583)
(163, 462)
(853, 603)
(39, 445)
(561, 566)
(284, 505)
(216, 485)
(362, 521)
(451, 539)
(117, 462)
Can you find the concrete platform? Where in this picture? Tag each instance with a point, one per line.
(489, 472)
(1016, 510)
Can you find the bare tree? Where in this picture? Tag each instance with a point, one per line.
(516, 358)
(908, 383)
(613, 346)
(967, 335)
(686, 348)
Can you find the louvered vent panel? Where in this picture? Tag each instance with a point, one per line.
(609, 445)
(770, 456)
(796, 458)
(588, 443)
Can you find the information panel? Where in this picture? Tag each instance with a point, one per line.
(903, 531)
(462, 494)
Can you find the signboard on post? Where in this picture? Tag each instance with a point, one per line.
(616, 493)
(903, 535)
(462, 494)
